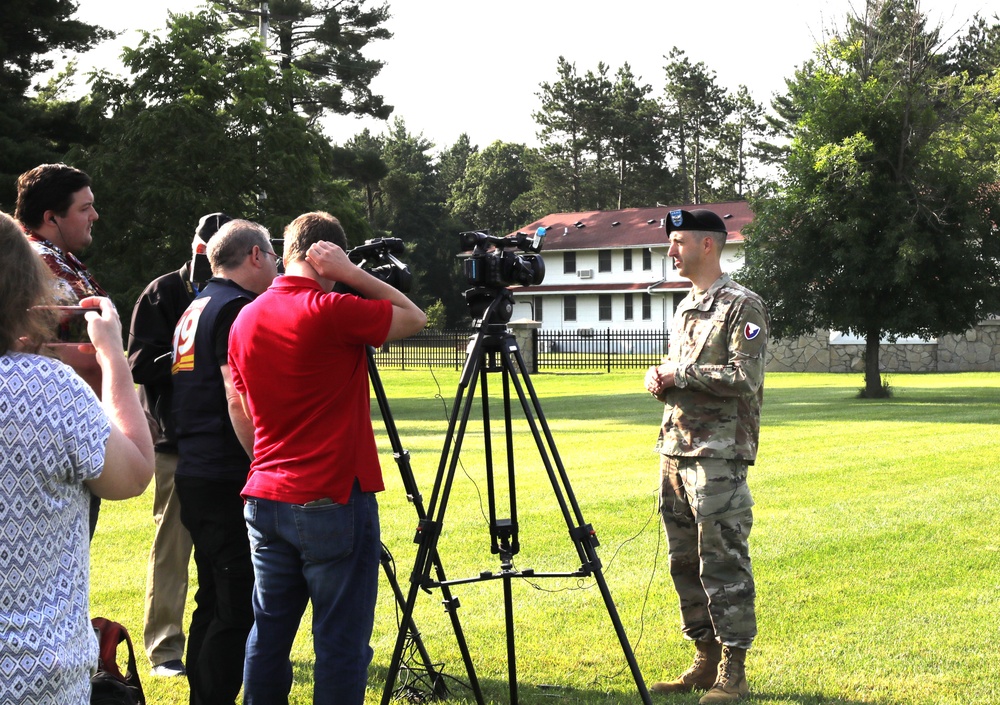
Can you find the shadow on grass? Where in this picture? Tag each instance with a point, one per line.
(808, 699)
(909, 404)
(498, 691)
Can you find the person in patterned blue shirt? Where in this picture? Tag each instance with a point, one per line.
(59, 445)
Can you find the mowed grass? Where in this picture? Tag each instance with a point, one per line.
(876, 545)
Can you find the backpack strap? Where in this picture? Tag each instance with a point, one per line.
(109, 635)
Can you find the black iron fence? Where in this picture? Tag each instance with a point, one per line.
(577, 349)
(601, 349)
(429, 348)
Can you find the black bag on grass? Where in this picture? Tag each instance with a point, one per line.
(108, 685)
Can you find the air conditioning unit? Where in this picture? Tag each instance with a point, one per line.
(585, 273)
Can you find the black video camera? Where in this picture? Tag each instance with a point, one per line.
(493, 262)
(376, 258)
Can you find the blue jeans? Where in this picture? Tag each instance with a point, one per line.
(328, 554)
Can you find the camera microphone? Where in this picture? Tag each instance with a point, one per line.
(534, 243)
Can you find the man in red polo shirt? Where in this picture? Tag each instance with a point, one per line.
(298, 355)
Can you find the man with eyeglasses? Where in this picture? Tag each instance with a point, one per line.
(213, 463)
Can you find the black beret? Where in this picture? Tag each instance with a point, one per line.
(209, 225)
(694, 220)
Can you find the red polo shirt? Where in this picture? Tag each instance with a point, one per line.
(298, 356)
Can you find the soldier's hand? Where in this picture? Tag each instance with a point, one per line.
(654, 383)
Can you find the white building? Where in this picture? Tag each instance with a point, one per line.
(609, 269)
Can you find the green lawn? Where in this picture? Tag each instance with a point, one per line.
(876, 545)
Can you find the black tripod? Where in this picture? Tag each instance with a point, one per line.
(451, 604)
(494, 349)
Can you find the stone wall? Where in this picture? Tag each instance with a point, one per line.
(807, 353)
(976, 350)
(891, 358)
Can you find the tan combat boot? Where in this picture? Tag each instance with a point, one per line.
(731, 685)
(700, 675)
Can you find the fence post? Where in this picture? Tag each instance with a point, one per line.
(524, 334)
(458, 337)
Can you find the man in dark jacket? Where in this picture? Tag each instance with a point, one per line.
(153, 320)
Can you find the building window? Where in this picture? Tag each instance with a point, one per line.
(627, 260)
(604, 260)
(628, 306)
(569, 308)
(647, 259)
(569, 263)
(604, 307)
(647, 307)
(538, 308)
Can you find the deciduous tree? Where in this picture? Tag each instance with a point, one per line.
(487, 195)
(884, 219)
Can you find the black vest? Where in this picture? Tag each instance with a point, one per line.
(206, 442)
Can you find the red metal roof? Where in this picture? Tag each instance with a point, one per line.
(624, 286)
(631, 227)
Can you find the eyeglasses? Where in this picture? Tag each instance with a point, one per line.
(266, 252)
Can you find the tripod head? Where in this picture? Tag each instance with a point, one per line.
(490, 305)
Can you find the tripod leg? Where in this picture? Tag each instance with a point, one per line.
(402, 458)
(581, 532)
(411, 627)
(429, 530)
(508, 605)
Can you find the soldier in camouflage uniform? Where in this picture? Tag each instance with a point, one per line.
(711, 384)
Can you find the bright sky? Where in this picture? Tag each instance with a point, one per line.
(454, 66)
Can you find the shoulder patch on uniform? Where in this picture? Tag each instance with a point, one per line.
(750, 331)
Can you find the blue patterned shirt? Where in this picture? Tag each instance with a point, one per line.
(53, 436)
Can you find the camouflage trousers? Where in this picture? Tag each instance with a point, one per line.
(705, 506)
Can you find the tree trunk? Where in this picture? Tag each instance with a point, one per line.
(873, 377)
(621, 180)
(682, 151)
